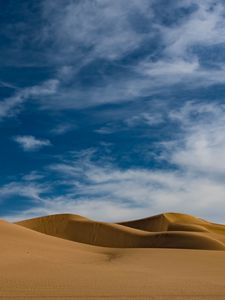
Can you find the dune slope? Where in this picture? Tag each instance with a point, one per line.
(162, 231)
(39, 266)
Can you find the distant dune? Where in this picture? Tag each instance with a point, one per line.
(61, 265)
(169, 230)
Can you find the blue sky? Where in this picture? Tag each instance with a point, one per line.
(112, 109)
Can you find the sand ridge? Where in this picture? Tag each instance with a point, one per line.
(169, 230)
(39, 266)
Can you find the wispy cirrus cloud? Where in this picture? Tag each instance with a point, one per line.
(203, 146)
(76, 35)
(11, 105)
(31, 143)
(98, 188)
(204, 27)
(179, 64)
(29, 190)
(95, 29)
(131, 121)
(63, 128)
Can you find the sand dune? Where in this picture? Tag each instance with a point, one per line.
(39, 266)
(168, 230)
(167, 221)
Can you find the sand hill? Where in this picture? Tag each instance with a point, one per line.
(169, 230)
(42, 266)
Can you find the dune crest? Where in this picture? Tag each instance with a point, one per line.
(169, 230)
(40, 266)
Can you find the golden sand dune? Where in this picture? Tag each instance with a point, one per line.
(167, 221)
(39, 266)
(168, 230)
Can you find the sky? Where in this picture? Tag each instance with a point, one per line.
(114, 110)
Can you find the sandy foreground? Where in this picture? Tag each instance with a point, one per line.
(35, 265)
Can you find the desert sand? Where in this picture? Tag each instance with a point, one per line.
(169, 256)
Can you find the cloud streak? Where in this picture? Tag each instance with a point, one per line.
(94, 29)
(78, 34)
(31, 143)
(12, 105)
(98, 188)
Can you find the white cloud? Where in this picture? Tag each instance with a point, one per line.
(29, 190)
(80, 32)
(113, 194)
(203, 150)
(8, 85)
(204, 27)
(143, 192)
(169, 68)
(180, 60)
(32, 176)
(31, 143)
(150, 119)
(10, 106)
(106, 130)
(100, 29)
(203, 146)
(103, 30)
(101, 190)
(63, 128)
(124, 121)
